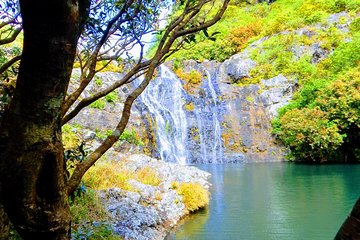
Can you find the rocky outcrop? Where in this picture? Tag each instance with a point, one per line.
(222, 119)
(228, 119)
(149, 211)
(95, 121)
(236, 68)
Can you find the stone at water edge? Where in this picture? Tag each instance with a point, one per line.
(150, 211)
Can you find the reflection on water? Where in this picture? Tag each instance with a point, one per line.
(274, 201)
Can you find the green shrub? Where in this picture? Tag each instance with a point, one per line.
(241, 24)
(98, 81)
(309, 134)
(131, 137)
(322, 123)
(331, 38)
(355, 25)
(70, 138)
(99, 104)
(89, 218)
(111, 97)
(346, 56)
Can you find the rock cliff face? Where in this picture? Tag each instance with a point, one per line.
(225, 123)
(210, 114)
(97, 120)
(199, 115)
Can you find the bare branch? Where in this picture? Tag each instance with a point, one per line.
(90, 67)
(87, 101)
(110, 140)
(10, 21)
(12, 38)
(176, 29)
(9, 63)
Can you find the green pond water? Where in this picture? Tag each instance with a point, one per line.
(274, 201)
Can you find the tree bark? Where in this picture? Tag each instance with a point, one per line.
(32, 166)
(4, 224)
(350, 230)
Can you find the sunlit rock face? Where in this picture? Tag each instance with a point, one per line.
(214, 121)
(185, 121)
(148, 211)
(209, 112)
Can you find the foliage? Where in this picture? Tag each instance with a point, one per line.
(189, 107)
(309, 134)
(244, 23)
(275, 56)
(131, 137)
(330, 38)
(192, 79)
(147, 176)
(108, 175)
(85, 206)
(111, 97)
(99, 104)
(355, 25)
(322, 123)
(194, 195)
(113, 174)
(98, 81)
(102, 134)
(240, 36)
(105, 66)
(346, 56)
(69, 137)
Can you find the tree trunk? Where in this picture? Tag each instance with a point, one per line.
(32, 166)
(4, 224)
(350, 230)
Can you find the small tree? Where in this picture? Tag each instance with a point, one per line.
(33, 184)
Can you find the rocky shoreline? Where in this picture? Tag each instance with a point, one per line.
(150, 212)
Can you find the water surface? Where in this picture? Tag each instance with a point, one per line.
(274, 201)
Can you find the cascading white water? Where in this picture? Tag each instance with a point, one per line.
(184, 136)
(217, 146)
(164, 101)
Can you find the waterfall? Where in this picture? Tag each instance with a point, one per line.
(216, 115)
(163, 99)
(182, 136)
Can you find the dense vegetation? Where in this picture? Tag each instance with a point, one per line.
(321, 124)
(245, 22)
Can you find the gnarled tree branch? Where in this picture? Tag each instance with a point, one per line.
(174, 31)
(9, 63)
(12, 37)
